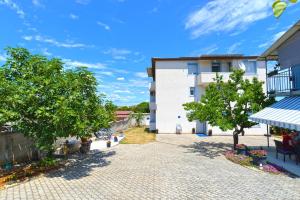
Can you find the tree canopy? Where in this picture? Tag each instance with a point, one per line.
(43, 101)
(229, 104)
(141, 107)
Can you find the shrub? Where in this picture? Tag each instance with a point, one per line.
(238, 159)
(48, 162)
(241, 146)
(258, 153)
(271, 169)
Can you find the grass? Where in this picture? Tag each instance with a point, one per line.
(138, 135)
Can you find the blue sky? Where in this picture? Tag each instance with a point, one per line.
(116, 39)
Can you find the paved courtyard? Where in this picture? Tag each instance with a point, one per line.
(174, 167)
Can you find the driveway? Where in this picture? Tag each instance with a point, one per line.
(174, 167)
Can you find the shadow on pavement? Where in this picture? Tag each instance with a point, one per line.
(82, 165)
(208, 149)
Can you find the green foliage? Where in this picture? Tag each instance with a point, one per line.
(279, 6)
(138, 118)
(44, 102)
(47, 162)
(229, 104)
(141, 107)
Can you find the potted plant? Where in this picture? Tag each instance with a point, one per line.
(115, 138)
(258, 156)
(209, 132)
(108, 144)
(241, 149)
(85, 145)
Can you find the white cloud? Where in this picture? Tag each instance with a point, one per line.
(73, 63)
(27, 38)
(46, 52)
(83, 2)
(141, 75)
(118, 54)
(153, 10)
(54, 42)
(105, 26)
(273, 39)
(138, 83)
(227, 15)
(118, 20)
(3, 58)
(106, 73)
(123, 91)
(207, 50)
(73, 16)
(120, 79)
(233, 47)
(12, 5)
(37, 3)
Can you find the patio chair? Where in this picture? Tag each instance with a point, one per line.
(280, 149)
(297, 153)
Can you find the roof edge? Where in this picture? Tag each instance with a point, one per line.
(269, 53)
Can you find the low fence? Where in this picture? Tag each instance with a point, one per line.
(15, 148)
(122, 125)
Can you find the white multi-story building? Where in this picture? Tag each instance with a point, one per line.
(177, 81)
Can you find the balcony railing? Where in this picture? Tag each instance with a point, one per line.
(284, 82)
(204, 78)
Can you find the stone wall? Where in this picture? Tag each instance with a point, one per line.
(127, 123)
(16, 148)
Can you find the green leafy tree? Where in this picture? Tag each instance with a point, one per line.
(138, 117)
(229, 104)
(44, 102)
(142, 107)
(279, 6)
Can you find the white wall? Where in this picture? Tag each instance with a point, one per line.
(172, 91)
(289, 52)
(261, 129)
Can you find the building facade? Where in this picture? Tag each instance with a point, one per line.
(177, 81)
(283, 81)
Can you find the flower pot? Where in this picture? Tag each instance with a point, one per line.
(108, 144)
(115, 139)
(85, 147)
(209, 132)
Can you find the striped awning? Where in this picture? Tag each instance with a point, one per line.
(285, 113)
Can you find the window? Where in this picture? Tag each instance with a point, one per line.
(192, 91)
(250, 66)
(193, 68)
(215, 66)
(230, 68)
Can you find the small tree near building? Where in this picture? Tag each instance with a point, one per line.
(138, 117)
(229, 104)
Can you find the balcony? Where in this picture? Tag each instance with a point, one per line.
(152, 86)
(152, 106)
(152, 98)
(284, 82)
(204, 78)
(152, 126)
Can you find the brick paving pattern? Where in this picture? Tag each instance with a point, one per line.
(175, 167)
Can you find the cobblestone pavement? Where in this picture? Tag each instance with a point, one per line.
(174, 167)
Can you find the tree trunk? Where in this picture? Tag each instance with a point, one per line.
(235, 139)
